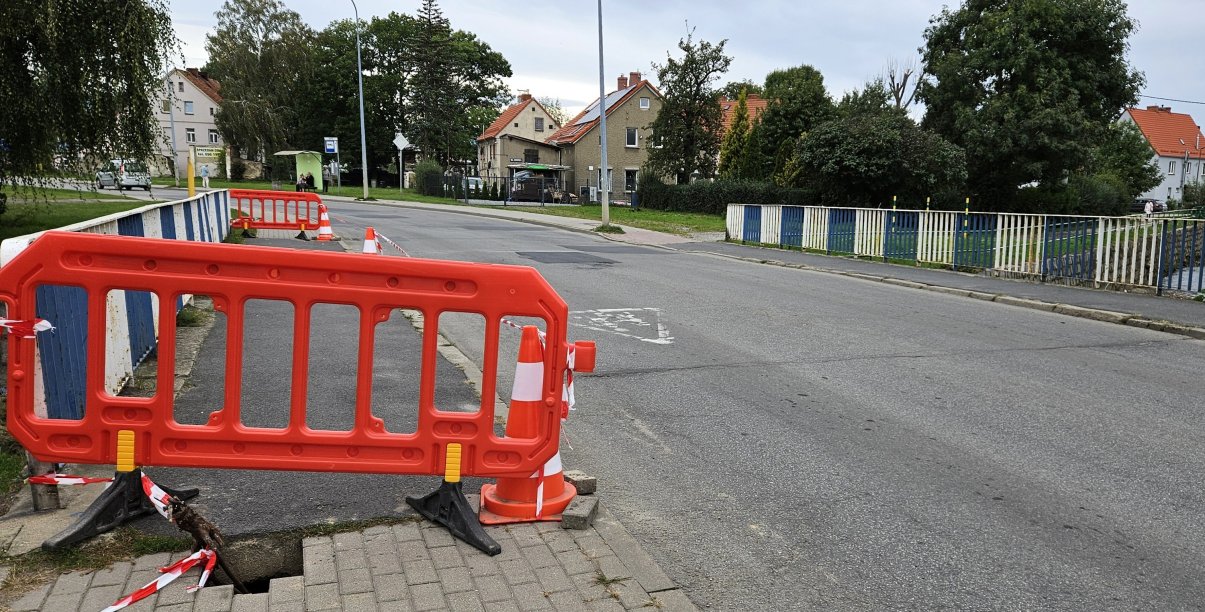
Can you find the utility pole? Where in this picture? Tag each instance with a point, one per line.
(360, 76)
(604, 185)
(171, 114)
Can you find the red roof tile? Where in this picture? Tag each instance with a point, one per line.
(1170, 134)
(201, 80)
(755, 103)
(573, 131)
(508, 116)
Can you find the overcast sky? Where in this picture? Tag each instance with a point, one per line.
(553, 46)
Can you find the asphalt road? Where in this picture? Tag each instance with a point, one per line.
(782, 439)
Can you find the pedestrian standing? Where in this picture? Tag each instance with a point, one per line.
(1149, 209)
(326, 178)
(205, 176)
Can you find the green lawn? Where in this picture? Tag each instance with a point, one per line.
(29, 218)
(24, 196)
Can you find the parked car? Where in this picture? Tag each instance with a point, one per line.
(123, 174)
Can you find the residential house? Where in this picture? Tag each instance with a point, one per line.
(630, 109)
(187, 117)
(1178, 147)
(515, 141)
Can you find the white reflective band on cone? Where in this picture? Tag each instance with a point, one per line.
(552, 467)
(529, 380)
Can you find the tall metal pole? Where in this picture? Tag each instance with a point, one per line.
(360, 76)
(171, 114)
(604, 185)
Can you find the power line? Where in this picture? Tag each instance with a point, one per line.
(1172, 99)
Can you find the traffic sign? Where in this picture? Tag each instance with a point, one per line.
(330, 144)
(400, 142)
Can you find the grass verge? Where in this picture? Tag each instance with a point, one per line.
(24, 219)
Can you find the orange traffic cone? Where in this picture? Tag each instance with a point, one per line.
(371, 244)
(543, 495)
(325, 232)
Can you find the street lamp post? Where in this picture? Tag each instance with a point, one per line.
(604, 185)
(360, 77)
(171, 114)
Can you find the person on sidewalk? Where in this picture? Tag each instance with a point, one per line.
(1148, 209)
(205, 176)
(326, 178)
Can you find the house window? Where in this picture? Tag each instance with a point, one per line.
(531, 156)
(188, 107)
(653, 141)
(539, 124)
(211, 111)
(629, 180)
(190, 135)
(644, 104)
(167, 106)
(1171, 167)
(632, 138)
(610, 175)
(213, 137)
(516, 124)
(181, 86)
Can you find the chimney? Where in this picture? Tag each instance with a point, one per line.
(524, 97)
(634, 79)
(622, 83)
(1159, 109)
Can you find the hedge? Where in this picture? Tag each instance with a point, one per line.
(713, 197)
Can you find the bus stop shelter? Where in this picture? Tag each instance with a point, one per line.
(306, 161)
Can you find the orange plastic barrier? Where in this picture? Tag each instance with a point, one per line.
(262, 209)
(231, 275)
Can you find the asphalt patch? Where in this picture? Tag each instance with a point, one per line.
(569, 257)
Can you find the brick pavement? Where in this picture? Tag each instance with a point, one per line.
(413, 565)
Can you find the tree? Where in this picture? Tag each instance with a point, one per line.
(690, 121)
(732, 89)
(798, 102)
(864, 160)
(260, 52)
(1193, 195)
(898, 81)
(873, 99)
(732, 152)
(454, 72)
(79, 85)
(554, 108)
(1027, 89)
(1125, 154)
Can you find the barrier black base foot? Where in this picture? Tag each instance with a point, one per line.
(122, 502)
(247, 234)
(448, 507)
(301, 236)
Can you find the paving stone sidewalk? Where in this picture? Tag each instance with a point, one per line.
(414, 565)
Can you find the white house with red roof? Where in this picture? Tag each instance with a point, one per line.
(189, 103)
(515, 142)
(1178, 147)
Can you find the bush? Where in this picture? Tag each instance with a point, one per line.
(1090, 195)
(713, 197)
(429, 178)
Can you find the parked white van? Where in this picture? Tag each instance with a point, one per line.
(123, 174)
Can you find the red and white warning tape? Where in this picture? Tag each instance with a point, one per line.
(26, 329)
(169, 574)
(380, 236)
(161, 500)
(64, 479)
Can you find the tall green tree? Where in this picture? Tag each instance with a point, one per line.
(732, 151)
(1026, 88)
(732, 89)
(261, 53)
(1125, 153)
(457, 79)
(689, 124)
(80, 82)
(798, 101)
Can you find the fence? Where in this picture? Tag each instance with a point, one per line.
(1165, 254)
(132, 315)
(284, 210)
